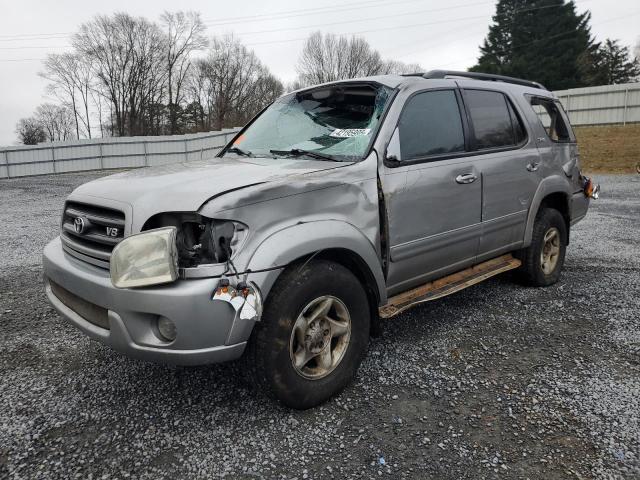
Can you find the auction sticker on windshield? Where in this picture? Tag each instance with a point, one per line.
(349, 132)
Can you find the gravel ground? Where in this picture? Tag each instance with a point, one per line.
(496, 381)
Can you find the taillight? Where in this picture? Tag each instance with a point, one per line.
(590, 189)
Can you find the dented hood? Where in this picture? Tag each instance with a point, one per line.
(186, 187)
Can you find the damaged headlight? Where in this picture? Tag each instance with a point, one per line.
(210, 242)
(201, 240)
(213, 241)
(148, 258)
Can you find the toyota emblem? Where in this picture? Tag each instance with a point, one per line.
(79, 224)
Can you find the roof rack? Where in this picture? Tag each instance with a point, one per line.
(480, 76)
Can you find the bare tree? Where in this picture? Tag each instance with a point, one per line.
(326, 58)
(30, 131)
(401, 68)
(199, 102)
(56, 120)
(127, 56)
(59, 70)
(232, 83)
(184, 35)
(293, 85)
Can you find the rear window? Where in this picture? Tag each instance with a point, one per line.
(431, 125)
(495, 122)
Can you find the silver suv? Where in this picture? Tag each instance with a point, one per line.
(337, 206)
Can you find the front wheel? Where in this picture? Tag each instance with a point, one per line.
(313, 334)
(543, 260)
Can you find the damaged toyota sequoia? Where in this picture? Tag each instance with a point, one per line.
(336, 207)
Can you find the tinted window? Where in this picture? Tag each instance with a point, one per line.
(491, 119)
(431, 125)
(551, 118)
(518, 129)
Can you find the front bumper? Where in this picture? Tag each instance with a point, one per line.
(208, 330)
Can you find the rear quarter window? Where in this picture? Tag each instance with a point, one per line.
(553, 119)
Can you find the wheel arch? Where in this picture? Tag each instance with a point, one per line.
(553, 192)
(329, 240)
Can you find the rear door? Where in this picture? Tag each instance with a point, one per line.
(432, 190)
(509, 163)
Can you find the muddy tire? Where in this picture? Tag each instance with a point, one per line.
(543, 260)
(313, 334)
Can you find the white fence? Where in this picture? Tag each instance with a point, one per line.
(602, 105)
(109, 153)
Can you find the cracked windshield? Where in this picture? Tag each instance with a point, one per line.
(333, 123)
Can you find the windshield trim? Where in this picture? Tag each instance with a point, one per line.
(352, 83)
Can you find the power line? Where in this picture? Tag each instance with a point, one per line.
(387, 29)
(43, 46)
(453, 7)
(307, 11)
(39, 37)
(322, 24)
(244, 19)
(21, 59)
(358, 20)
(416, 12)
(381, 29)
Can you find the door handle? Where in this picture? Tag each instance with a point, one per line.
(532, 167)
(466, 178)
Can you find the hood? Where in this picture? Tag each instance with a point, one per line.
(185, 187)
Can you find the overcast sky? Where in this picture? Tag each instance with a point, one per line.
(434, 33)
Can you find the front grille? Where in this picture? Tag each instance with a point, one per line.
(90, 232)
(90, 312)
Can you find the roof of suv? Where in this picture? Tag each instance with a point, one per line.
(395, 81)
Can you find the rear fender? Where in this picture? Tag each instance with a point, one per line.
(548, 186)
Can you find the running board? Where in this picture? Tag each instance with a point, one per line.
(448, 285)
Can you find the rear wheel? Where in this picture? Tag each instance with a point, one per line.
(313, 334)
(543, 260)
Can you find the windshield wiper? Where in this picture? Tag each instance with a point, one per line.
(239, 151)
(297, 152)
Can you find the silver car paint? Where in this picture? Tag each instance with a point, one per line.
(298, 207)
(185, 187)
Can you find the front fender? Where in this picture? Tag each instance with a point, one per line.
(549, 185)
(297, 241)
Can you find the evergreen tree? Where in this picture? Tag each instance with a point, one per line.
(612, 64)
(541, 40)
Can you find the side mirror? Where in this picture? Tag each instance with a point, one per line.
(393, 149)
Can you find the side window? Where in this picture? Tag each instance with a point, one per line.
(518, 130)
(551, 118)
(431, 125)
(495, 122)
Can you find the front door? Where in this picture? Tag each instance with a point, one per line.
(432, 192)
